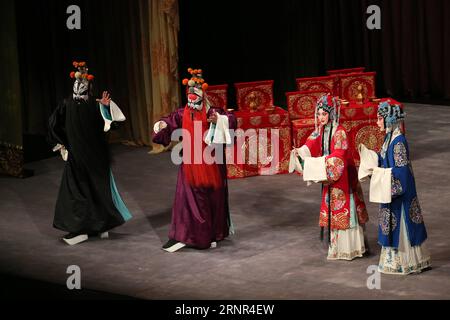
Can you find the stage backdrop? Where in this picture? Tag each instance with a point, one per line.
(236, 41)
(131, 49)
(11, 146)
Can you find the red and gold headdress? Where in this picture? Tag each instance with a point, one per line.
(331, 105)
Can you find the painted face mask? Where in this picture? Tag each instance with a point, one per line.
(82, 81)
(196, 87)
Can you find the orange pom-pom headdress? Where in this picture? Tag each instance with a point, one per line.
(196, 80)
(82, 71)
(82, 78)
(195, 89)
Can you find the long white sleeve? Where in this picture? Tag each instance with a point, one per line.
(219, 132)
(380, 185)
(113, 114)
(368, 161)
(315, 169)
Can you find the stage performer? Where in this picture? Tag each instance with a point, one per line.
(200, 213)
(342, 198)
(88, 202)
(401, 229)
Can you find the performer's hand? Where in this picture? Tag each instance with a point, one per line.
(105, 100)
(213, 118)
(162, 125)
(57, 147)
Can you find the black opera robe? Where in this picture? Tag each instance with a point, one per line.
(88, 201)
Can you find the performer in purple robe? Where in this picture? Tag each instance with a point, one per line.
(200, 214)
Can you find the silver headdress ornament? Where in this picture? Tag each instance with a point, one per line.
(392, 114)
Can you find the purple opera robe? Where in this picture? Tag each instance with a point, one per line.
(200, 216)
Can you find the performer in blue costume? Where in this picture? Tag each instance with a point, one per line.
(401, 230)
(88, 202)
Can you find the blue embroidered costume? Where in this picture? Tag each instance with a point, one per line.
(401, 230)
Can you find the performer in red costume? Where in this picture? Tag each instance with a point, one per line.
(342, 198)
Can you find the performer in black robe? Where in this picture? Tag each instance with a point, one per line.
(88, 202)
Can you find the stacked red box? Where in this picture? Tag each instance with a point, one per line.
(259, 122)
(217, 95)
(327, 84)
(301, 107)
(258, 92)
(349, 86)
(345, 71)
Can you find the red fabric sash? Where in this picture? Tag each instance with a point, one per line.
(197, 172)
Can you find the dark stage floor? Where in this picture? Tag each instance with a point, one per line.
(275, 254)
